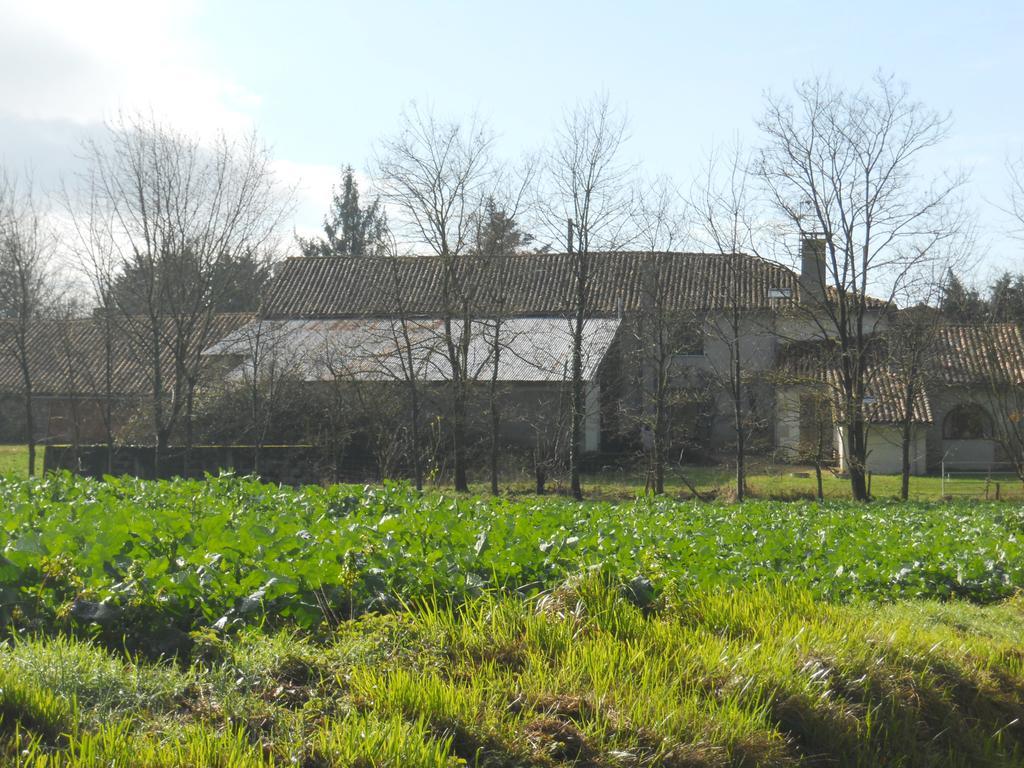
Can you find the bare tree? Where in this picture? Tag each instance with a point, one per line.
(409, 367)
(89, 243)
(1015, 195)
(662, 332)
(436, 175)
(1004, 361)
(912, 342)
(270, 365)
(27, 288)
(841, 165)
(174, 211)
(497, 237)
(724, 208)
(587, 192)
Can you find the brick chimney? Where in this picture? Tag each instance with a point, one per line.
(812, 269)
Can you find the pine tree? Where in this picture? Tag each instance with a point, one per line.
(1006, 299)
(961, 304)
(349, 229)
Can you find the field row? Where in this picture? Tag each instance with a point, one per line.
(163, 558)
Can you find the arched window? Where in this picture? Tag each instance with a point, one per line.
(967, 422)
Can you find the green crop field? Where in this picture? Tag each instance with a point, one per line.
(228, 622)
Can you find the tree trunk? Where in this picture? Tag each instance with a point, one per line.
(737, 405)
(905, 477)
(108, 388)
(495, 414)
(459, 443)
(162, 445)
(908, 415)
(741, 472)
(31, 427)
(660, 436)
(495, 427)
(817, 477)
(417, 457)
(578, 394)
(186, 460)
(857, 460)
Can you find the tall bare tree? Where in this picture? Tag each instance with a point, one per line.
(586, 192)
(174, 210)
(88, 242)
(436, 175)
(662, 331)
(497, 237)
(842, 165)
(27, 284)
(910, 351)
(723, 205)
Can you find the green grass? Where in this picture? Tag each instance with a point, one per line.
(14, 460)
(765, 480)
(761, 676)
(775, 481)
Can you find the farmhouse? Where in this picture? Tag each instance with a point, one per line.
(373, 328)
(382, 320)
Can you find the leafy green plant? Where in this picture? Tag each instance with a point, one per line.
(146, 565)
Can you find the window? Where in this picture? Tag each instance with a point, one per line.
(686, 340)
(780, 293)
(967, 422)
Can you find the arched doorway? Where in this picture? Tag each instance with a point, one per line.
(967, 442)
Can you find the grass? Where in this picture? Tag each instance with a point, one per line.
(760, 676)
(14, 460)
(777, 481)
(765, 480)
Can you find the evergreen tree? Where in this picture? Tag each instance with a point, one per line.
(497, 233)
(1006, 299)
(961, 304)
(349, 229)
(235, 285)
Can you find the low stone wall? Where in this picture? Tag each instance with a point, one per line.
(289, 464)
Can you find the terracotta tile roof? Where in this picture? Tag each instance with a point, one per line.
(811, 363)
(884, 400)
(980, 354)
(536, 284)
(58, 347)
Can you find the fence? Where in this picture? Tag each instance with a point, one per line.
(982, 479)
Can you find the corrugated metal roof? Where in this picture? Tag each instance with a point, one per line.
(530, 348)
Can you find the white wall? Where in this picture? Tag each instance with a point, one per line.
(885, 451)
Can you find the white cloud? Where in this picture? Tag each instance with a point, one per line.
(84, 61)
(312, 184)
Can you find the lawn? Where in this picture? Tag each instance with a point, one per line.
(14, 460)
(765, 480)
(783, 482)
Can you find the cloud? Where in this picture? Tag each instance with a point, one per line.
(79, 61)
(312, 184)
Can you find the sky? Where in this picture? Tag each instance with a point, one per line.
(322, 81)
